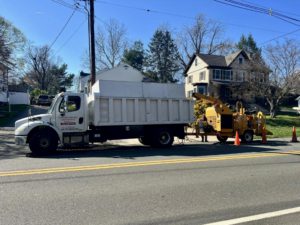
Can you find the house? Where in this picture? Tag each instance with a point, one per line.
(3, 82)
(297, 108)
(122, 72)
(220, 76)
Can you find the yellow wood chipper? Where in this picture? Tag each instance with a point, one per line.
(224, 123)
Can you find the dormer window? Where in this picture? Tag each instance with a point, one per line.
(240, 60)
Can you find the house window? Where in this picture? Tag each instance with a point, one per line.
(262, 78)
(202, 76)
(196, 61)
(227, 75)
(190, 93)
(217, 74)
(202, 90)
(240, 60)
(190, 79)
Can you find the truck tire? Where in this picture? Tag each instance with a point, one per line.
(163, 138)
(247, 137)
(43, 143)
(221, 139)
(144, 140)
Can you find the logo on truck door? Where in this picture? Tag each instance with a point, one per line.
(68, 121)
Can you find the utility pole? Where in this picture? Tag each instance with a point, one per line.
(92, 43)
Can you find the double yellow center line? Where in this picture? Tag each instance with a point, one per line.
(145, 163)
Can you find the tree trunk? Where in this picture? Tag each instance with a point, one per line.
(273, 110)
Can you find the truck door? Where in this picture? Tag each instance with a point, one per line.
(70, 116)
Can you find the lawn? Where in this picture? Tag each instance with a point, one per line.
(14, 110)
(282, 125)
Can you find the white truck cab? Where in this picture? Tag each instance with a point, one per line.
(65, 118)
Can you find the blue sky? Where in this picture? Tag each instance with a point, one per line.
(41, 21)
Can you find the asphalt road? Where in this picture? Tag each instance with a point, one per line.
(191, 183)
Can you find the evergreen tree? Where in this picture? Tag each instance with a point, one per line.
(163, 57)
(249, 45)
(135, 56)
(61, 78)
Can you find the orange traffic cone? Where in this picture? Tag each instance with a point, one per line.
(237, 139)
(264, 136)
(294, 137)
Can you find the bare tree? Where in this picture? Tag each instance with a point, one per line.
(43, 72)
(11, 40)
(39, 65)
(283, 60)
(204, 36)
(110, 44)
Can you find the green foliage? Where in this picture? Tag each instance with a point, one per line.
(282, 125)
(249, 45)
(163, 57)
(36, 92)
(60, 78)
(135, 56)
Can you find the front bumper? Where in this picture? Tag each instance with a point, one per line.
(20, 140)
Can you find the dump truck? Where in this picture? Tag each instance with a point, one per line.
(224, 122)
(154, 113)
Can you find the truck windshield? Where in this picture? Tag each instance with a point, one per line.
(53, 104)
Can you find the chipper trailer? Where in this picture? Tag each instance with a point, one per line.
(224, 122)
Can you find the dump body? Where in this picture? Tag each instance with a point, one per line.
(136, 103)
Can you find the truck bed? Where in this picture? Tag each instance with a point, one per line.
(136, 103)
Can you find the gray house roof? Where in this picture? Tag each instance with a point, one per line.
(213, 60)
(217, 60)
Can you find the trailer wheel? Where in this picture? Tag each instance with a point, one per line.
(144, 140)
(163, 138)
(247, 137)
(43, 143)
(222, 139)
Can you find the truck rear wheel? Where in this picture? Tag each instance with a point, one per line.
(43, 143)
(163, 138)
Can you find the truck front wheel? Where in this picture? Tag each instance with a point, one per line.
(43, 143)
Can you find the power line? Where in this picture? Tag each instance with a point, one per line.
(63, 28)
(71, 36)
(280, 36)
(70, 6)
(147, 10)
(273, 9)
(262, 10)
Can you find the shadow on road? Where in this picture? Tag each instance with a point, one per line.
(193, 150)
(9, 150)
